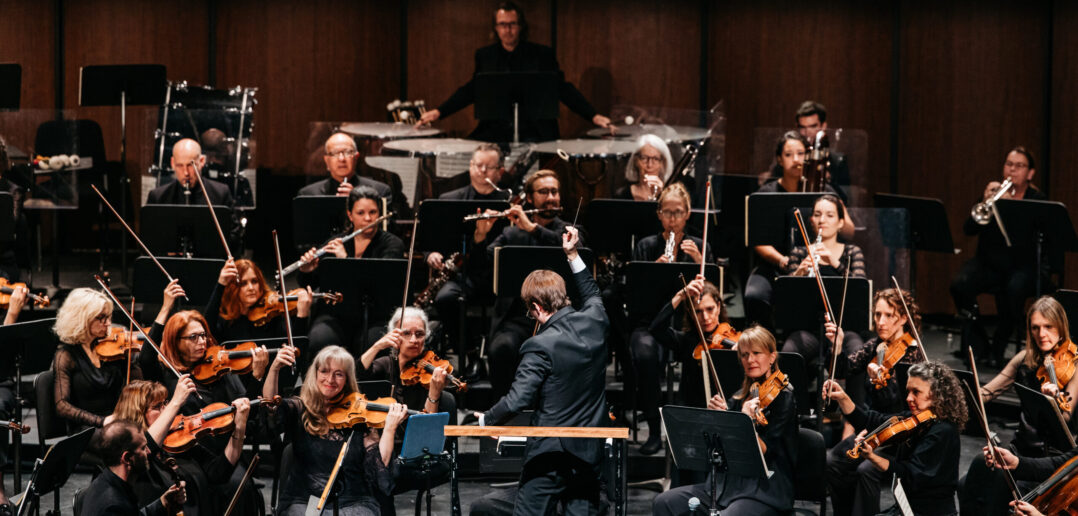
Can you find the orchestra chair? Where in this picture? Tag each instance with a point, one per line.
(283, 470)
(810, 470)
(77, 500)
(49, 424)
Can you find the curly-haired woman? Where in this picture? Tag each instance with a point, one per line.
(924, 460)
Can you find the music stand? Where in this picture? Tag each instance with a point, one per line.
(10, 86)
(52, 471)
(615, 225)
(1042, 413)
(798, 305)
(1069, 300)
(122, 85)
(926, 227)
(715, 441)
(372, 287)
(513, 263)
(1041, 224)
(441, 223)
(7, 217)
(651, 285)
(317, 218)
(22, 341)
(763, 223)
(424, 448)
(198, 276)
(185, 230)
(515, 96)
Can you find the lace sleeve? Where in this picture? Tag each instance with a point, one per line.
(797, 255)
(66, 367)
(855, 259)
(1004, 379)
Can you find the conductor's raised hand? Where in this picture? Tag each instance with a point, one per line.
(569, 241)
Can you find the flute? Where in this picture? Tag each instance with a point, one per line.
(500, 214)
(346, 238)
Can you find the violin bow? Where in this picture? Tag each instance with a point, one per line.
(131, 332)
(246, 477)
(333, 473)
(284, 290)
(841, 316)
(213, 214)
(408, 271)
(705, 356)
(160, 355)
(707, 206)
(830, 314)
(982, 418)
(909, 317)
(134, 235)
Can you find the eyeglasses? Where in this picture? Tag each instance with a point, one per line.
(484, 167)
(672, 214)
(1019, 166)
(507, 25)
(342, 154)
(195, 337)
(649, 159)
(547, 191)
(418, 335)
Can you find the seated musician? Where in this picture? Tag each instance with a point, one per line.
(924, 459)
(1028, 472)
(341, 156)
(811, 118)
(123, 449)
(510, 325)
(828, 215)
(1006, 271)
(241, 296)
(789, 158)
(648, 170)
(778, 440)
(7, 386)
(364, 474)
(1047, 334)
(187, 161)
(147, 406)
(87, 387)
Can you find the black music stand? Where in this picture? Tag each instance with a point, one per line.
(1040, 224)
(122, 85)
(1042, 413)
(651, 285)
(317, 218)
(7, 217)
(798, 305)
(198, 276)
(924, 228)
(26, 344)
(10, 86)
(715, 441)
(968, 385)
(1069, 300)
(513, 263)
(442, 227)
(769, 219)
(372, 287)
(185, 230)
(615, 225)
(516, 96)
(52, 471)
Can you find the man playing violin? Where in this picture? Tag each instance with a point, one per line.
(776, 430)
(341, 156)
(924, 458)
(123, 449)
(187, 161)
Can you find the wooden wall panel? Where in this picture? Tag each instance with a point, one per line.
(32, 45)
(443, 36)
(326, 60)
(972, 86)
(639, 52)
(1064, 111)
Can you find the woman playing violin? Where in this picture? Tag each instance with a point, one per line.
(364, 474)
(86, 387)
(924, 458)
(757, 352)
(234, 303)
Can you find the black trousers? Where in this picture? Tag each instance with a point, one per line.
(676, 502)
(854, 483)
(1012, 287)
(647, 363)
(984, 491)
(504, 352)
(558, 479)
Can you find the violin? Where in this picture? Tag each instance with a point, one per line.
(766, 392)
(265, 312)
(1058, 494)
(355, 409)
(219, 362)
(422, 368)
(215, 419)
(889, 357)
(15, 427)
(724, 337)
(7, 288)
(1058, 369)
(118, 342)
(892, 429)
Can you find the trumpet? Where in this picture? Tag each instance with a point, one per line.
(982, 212)
(505, 213)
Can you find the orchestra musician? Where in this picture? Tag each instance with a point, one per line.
(187, 161)
(123, 449)
(364, 475)
(7, 386)
(17, 250)
(240, 293)
(1028, 472)
(828, 215)
(341, 156)
(811, 118)
(514, 53)
(790, 152)
(924, 459)
(997, 267)
(778, 440)
(648, 170)
(86, 387)
(510, 325)
(562, 370)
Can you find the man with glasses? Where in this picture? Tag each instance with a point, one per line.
(341, 156)
(1007, 271)
(187, 162)
(514, 53)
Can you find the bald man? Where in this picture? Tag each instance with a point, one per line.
(341, 156)
(186, 156)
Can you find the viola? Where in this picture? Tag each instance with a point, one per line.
(219, 362)
(356, 409)
(894, 428)
(724, 337)
(15, 427)
(118, 343)
(7, 288)
(766, 392)
(888, 358)
(1058, 494)
(215, 419)
(265, 312)
(1058, 369)
(420, 370)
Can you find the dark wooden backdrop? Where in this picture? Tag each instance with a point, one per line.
(942, 89)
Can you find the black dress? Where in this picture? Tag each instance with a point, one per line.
(85, 394)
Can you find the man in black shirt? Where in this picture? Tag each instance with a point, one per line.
(514, 53)
(187, 160)
(125, 454)
(341, 158)
(812, 118)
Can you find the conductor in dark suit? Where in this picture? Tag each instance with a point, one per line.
(341, 156)
(561, 373)
(514, 53)
(187, 160)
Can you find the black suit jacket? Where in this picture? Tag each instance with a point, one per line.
(172, 193)
(108, 495)
(562, 372)
(328, 186)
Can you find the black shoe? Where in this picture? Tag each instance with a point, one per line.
(652, 445)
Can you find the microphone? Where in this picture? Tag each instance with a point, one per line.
(694, 503)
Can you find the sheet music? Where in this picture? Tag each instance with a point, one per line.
(406, 168)
(901, 500)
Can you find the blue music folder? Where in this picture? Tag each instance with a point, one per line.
(424, 432)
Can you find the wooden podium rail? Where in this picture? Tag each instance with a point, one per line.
(617, 454)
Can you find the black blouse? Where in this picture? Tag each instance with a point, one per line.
(780, 437)
(85, 394)
(241, 328)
